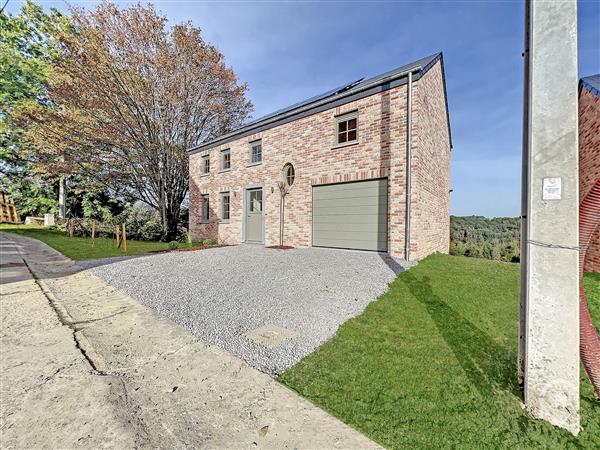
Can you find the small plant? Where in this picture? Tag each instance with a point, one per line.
(173, 245)
(53, 228)
(207, 242)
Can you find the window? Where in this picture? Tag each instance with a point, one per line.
(225, 160)
(205, 208)
(205, 164)
(225, 206)
(289, 174)
(256, 200)
(347, 128)
(256, 152)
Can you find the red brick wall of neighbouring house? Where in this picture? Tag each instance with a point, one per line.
(589, 162)
(308, 143)
(430, 228)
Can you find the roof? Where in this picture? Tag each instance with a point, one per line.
(343, 94)
(591, 83)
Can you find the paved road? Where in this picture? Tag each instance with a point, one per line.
(85, 365)
(269, 307)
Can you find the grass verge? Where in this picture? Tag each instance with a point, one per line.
(80, 248)
(432, 364)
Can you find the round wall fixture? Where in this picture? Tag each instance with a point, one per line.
(289, 174)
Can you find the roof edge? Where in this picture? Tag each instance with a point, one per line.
(373, 82)
(584, 82)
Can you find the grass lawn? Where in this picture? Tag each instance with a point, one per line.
(432, 364)
(79, 248)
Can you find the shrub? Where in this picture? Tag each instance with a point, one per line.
(173, 245)
(142, 223)
(53, 228)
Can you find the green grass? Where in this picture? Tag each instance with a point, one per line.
(432, 364)
(79, 248)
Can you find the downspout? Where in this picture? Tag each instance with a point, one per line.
(408, 168)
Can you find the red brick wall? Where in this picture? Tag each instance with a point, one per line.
(589, 162)
(308, 144)
(430, 226)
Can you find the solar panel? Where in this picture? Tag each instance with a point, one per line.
(316, 98)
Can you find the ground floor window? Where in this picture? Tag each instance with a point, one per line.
(225, 206)
(205, 208)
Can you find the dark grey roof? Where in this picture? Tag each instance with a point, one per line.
(344, 94)
(592, 83)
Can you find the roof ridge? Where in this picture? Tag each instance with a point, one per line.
(421, 65)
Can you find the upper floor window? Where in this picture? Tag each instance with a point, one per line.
(226, 160)
(205, 208)
(255, 152)
(206, 164)
(347, 128)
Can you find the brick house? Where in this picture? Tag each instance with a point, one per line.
(589, 154)
(341, 158)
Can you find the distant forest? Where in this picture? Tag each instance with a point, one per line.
(480, 237)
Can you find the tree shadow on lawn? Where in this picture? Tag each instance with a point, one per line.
(488, 365)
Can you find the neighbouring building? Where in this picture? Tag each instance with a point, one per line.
(342, 159)
(589, 154)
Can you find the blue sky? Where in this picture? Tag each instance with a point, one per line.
(290, 51)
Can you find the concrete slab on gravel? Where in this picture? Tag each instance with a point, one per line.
(222, 294)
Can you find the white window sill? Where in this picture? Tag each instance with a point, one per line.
(254, 164)
(345, 144)
(225, 170)
(205, 174)
(224, 221)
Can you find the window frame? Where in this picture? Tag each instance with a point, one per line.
(225, 194)
(225, 152)
(346, 117)
(252, 204)
(205, 164)
(286, 169)
(205, 218)
(251, 152)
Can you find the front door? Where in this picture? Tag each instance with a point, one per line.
(254, 215)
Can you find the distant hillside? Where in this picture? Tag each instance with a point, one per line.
(480, 237)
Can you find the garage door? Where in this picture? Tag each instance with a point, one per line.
(351, 215)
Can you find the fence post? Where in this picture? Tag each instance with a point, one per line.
(124, 239)
(93, 231)
(117, 236)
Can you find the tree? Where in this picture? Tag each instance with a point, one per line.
(133, 96)
(29, 47)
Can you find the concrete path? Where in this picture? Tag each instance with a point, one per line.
(84, 365)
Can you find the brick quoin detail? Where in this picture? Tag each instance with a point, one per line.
(308, 144)
(589, 162)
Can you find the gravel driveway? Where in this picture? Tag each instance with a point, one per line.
(222, 294)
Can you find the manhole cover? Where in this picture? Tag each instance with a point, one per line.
(270, 335)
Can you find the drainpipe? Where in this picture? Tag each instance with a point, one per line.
(408, 168)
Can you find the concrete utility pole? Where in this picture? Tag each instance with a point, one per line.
(549, 311)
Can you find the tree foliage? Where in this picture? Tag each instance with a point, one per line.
(132, 96)
(29, 48)
(480, 237)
